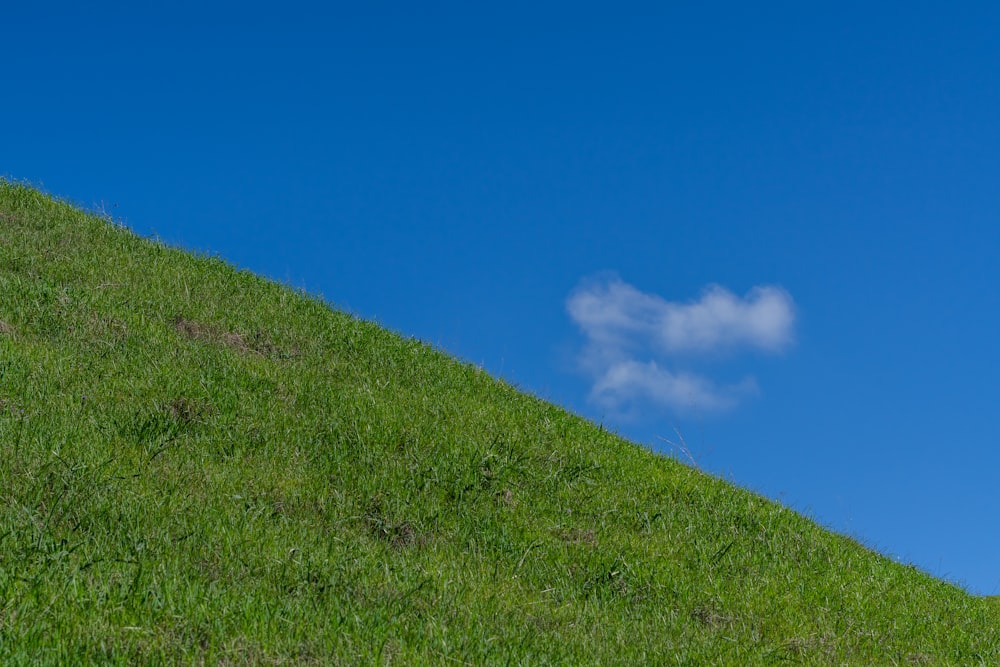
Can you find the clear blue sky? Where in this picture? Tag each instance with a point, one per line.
(773, 228)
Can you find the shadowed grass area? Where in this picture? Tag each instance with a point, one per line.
(202, 466)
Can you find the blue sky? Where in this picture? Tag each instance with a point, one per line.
(772, 230)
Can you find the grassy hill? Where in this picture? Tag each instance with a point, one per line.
(202, 466)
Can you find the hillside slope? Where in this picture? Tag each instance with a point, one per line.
(202, 466)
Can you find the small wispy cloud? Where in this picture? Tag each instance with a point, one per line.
(636, 340)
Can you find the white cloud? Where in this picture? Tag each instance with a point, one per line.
(613, 311)
(633, 337)
(629, 381)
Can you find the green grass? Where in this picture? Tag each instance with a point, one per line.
(200, 466)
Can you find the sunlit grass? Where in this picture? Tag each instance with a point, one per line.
(202, 466)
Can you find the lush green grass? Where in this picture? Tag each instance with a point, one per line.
(202, 466)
